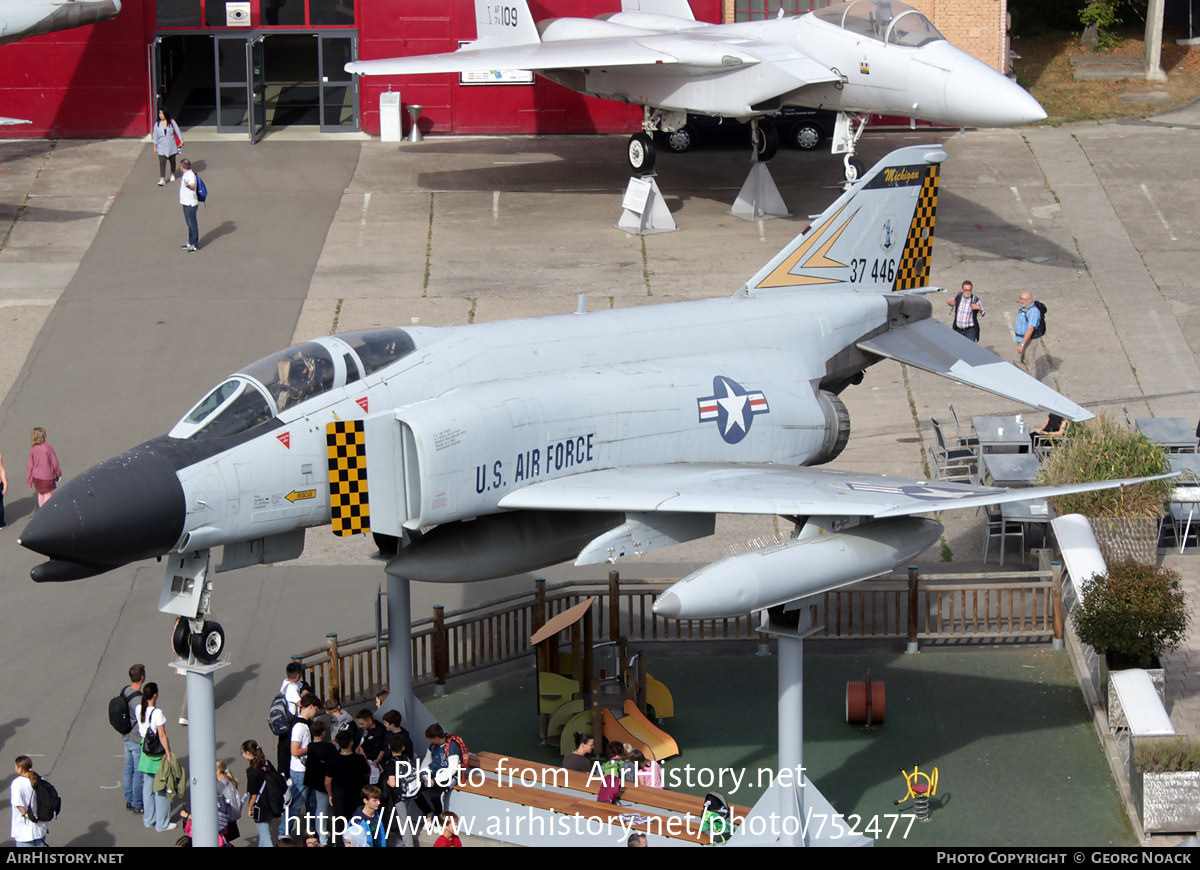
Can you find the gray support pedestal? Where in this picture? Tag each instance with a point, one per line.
(202, 749)
(400, 667)
(791, 811)
(643, 210)
(759, 197)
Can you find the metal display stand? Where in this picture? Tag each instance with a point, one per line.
(644, 211)
(400, 686)
(791, 810)
(759, 197)
(202, 749)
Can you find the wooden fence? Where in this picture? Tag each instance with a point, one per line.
(989, 608)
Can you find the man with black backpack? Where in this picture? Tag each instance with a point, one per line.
(1029, 328)
(967, 310)
(122, 712)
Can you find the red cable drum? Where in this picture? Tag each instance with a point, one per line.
(858, 707)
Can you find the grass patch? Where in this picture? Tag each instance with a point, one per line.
(1045, 71)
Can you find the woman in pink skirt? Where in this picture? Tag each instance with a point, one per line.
(43, 473)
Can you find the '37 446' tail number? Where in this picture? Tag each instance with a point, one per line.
(880, 270)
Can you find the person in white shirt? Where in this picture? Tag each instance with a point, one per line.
(156, 805)
(299, 795)
(26, 829)
(191, 204)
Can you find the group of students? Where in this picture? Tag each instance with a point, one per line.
(621, 767)
(351, 780)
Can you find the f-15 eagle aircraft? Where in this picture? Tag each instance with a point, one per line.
(486, 450)
(20, 19)
(862, 57)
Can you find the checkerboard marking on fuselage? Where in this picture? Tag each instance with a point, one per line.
(348, 501)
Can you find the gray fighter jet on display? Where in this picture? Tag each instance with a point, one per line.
(866, 56)
(487, 450)
(20, 19)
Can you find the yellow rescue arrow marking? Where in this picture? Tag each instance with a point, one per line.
(299, 494)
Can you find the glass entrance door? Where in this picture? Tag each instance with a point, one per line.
(339, 89)
(233, 83)
(256, 89)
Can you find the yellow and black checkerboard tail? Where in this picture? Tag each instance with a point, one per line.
(913, 270)
(349, 506)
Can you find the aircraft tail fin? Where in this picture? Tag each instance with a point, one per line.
(672, 8)
(877, 236)
(505, 23)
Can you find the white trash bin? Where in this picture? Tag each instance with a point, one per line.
(390, 127)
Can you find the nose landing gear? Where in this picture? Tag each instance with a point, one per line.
(202, 639)
(187, 592)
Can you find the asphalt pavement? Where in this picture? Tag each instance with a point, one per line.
(109, 332)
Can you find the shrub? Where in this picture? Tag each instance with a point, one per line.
(1133, 614)
(1167, 755)
(1103, 14)
(1102, 449)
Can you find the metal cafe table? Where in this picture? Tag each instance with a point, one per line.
(1174, 433)
(1001, 435)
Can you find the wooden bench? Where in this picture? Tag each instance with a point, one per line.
(577, 798)
(660, 798)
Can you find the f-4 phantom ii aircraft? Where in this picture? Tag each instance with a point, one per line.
(491, 449)
(20, 19)
(866, 56)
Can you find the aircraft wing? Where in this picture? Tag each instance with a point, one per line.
(698, 53)
(770, 489)
(935, 347)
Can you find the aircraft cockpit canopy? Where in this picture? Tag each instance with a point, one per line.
(377, 348)
(268, 387)
(885, 20)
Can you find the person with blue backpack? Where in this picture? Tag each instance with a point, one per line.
(189, 184)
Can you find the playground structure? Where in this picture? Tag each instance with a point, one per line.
(598, 688)
(919, 791)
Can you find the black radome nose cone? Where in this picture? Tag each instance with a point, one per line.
(125, 509)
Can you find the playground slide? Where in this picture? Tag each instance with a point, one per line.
(638, 731)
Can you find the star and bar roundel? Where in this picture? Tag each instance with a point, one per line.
(732, 408)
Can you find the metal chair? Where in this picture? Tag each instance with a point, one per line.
(963, 440)
(1185, 524)
(942, 471)
(997, 527)
(957, 461)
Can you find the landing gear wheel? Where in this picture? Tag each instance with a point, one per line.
(855, 169)
(181, 637)
(807, 137)
(209, 643)
(641, 153)
(681, 140)
(766, 139)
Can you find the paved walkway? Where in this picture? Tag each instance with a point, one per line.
(108, 333)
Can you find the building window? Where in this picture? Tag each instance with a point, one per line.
(331, 12)
(178, 13)
(281, 13)
(756, 10)
(266, 13)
